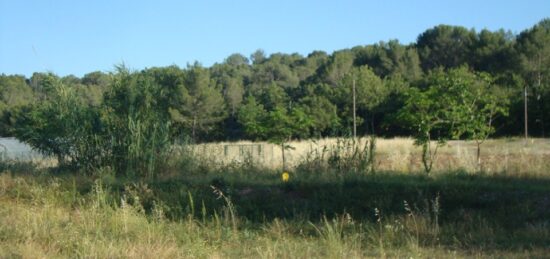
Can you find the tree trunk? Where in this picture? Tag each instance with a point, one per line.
(426, 159)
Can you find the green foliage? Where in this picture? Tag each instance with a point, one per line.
(445, 46)
(323, 114)
(390, 59)
(129, 131)
(478, 105)
(452, 104)
(339, 66)
(278, 125)
(200, 105)
(14, 94)
(136, 123)
(534, 60)
(251, 116)
(61, 126)
(205, 103)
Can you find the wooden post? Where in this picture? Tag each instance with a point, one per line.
(525, 112)
(354, 112)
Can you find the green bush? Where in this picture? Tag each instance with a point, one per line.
(129, 131)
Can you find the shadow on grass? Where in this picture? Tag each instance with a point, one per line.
(487, 212)
(483, 211)
(506, 200)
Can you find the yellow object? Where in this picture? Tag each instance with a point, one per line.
(285, 176)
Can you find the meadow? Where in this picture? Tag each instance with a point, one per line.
(228, 200)
(396, 154)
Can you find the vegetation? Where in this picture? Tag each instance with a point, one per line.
(130, 184)
(244, 211)
(455, 103)
(209, 104)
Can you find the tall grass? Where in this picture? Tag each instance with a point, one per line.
(197, 208)
(236, 213)
(398, 154)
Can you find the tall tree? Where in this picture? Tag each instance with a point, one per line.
(14, 94)
(493, 52)
(477, 103)
(202, 105)
(534, 50)
(323, 113)
(390, 59)
(445, 46)
(338, 67)
(369, 91)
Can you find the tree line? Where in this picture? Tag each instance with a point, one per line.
(398, 89)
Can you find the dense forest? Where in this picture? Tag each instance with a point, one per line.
(261, 97)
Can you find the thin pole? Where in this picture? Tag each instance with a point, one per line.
(525, 111)
(354, 111)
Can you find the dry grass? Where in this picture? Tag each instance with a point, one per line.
(46, 215)
(41, 225)
(397, 154)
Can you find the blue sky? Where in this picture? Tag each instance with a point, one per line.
(78, 37)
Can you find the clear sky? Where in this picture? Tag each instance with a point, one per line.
(78, 37)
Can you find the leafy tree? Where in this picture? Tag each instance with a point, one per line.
(390, 59)
(476, 106)
(252, 116)
(445, 46)
(201, 105)
(61, 126)
(338, 67)
(233, 92)
(277, 126)
(274, 96)
(493, 52)
(96, 78)
(14, 94)
(534, 50)
(306, 68)
(236, 60)
(275, 70)
(282, 124)
(425, 115)
(129, 131)
(370, 91)
(453, 104)
(323, 114)
(429, 113)
(258, 57)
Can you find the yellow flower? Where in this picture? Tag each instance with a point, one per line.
(285, 176)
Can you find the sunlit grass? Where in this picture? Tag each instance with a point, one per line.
(397, 154)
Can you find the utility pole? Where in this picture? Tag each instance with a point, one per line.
(354, 111)
(525, 112)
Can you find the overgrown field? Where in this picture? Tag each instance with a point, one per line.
(244, 210)
(513, 155)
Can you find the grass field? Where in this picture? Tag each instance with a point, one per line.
(245, 210)
(512, 155)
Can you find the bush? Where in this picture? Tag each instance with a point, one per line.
(129, 131)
